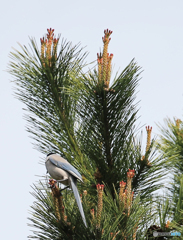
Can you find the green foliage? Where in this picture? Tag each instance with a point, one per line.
(113, 220)
(171, 145)
(42, 89)
(74, 115)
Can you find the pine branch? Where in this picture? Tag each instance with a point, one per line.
(41, 86)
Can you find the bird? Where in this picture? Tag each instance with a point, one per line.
(62, 171)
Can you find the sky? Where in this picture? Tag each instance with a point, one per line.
(149, 31)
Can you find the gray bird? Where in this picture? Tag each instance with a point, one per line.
(62, 171)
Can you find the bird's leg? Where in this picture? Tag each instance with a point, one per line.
(64, 188)
(60, 181)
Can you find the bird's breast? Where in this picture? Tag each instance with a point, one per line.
(56, 173)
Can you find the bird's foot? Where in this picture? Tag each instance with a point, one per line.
(52, 183)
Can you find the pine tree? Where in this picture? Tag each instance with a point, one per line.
(171, 145)
(90, 121)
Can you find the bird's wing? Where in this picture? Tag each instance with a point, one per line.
(73, 182)
(67, 167)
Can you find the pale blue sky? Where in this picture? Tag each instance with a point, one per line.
(150, 31)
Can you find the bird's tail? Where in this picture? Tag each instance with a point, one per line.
(73, 182)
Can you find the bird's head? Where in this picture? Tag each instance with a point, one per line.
(50, 154)
(47, 156)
